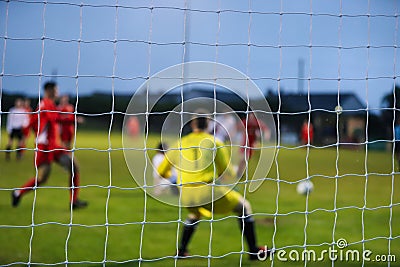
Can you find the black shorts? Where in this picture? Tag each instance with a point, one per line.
(16, 133)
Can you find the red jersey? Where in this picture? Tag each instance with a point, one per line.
(67, 118)
(45, 123)
(253, 126)
(307, 131)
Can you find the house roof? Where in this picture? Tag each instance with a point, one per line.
(303, 103)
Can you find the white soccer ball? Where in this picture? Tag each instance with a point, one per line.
(305, 187)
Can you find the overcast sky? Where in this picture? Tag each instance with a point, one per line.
(351, 53)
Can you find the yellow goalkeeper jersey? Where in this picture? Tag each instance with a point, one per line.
(198, 159)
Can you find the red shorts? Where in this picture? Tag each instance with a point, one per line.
(46, 155)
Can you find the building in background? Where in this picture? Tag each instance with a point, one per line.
(330, 126)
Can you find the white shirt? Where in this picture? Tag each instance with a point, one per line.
(225, 127)
(161, 183)
(17, 119)
(157, 159)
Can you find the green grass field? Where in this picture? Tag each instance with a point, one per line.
(122, 225)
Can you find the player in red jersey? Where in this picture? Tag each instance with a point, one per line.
(67, 121)
(254, 129)
(307, 133)
(45, 125)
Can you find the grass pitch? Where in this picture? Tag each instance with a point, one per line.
(356, 197)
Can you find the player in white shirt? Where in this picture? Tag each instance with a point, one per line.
(225, 127)
(17, 120)
(161, 184)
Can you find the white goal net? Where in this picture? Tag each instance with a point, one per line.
(302, 100)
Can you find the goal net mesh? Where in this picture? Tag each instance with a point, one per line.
(321, 77)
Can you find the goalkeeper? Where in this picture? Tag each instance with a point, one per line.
(199, 160)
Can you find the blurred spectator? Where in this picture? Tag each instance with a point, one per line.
(223, 127)
(307, 133)
(397, 142)
(17, 120)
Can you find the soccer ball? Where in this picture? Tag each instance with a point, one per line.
(305, 187)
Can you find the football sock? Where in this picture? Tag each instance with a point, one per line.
(28, 186)
(248, 226)
(74, 191)
(188, 230)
